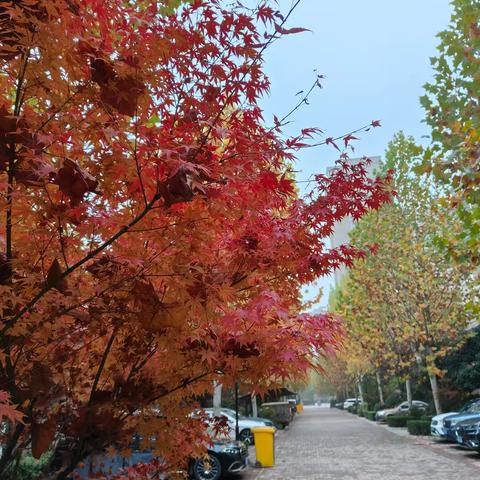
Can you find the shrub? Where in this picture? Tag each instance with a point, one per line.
(266, 412)
(378, 406)
(418, 427)
(27, 468)
(370, 415)
(333, 402)
(353, 409)
(416, 413)
(397, 421)
(362, 409)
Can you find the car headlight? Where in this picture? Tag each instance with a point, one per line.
(435, 422)
(231, 449)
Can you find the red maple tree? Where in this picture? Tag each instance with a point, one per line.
(153, 238)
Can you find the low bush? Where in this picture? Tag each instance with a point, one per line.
(362, 409)
(397, 421)
(27, 468)
(353, 409)
(333, 402)
(267, 412)
(370, 415)
(416, 413)
(418, 427)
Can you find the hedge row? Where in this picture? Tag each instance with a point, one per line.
(418, 427)
(397, 421)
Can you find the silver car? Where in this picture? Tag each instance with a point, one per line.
(399, 410)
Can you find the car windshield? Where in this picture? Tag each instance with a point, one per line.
(473, 408)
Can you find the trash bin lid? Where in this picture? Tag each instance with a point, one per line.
(263, 430)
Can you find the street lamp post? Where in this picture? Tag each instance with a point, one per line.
(237, 433)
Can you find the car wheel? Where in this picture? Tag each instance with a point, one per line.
(210, 469)
(246, 436)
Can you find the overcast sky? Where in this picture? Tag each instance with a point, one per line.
(375, 56)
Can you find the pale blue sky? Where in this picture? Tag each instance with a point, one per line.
(375, 55)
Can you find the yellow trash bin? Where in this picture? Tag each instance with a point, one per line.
(299, 407)
(264, 445)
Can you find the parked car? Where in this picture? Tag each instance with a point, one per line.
(231, 412)
(245, 424)
(402, 409)
(223, 458)
(437, 426)
(450, 422)
(350, 402)
(466, 433)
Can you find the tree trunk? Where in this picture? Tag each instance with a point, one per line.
(217, 397)
(408, 387)
(380, 388)
(254, 406)
(435, 393)
(360, 388)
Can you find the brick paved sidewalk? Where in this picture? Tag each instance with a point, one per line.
(328, 444)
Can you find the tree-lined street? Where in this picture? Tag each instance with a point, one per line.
(328, 444)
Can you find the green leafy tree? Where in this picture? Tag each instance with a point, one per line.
(452, 104)
(404, 305)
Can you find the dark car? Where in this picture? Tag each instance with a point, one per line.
(223, 458)
(472, 413)
(467, 433)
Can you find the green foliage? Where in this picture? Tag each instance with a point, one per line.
(418, 427)
(353, 409)
(169, 6)
(462, 366)
(267, 412)
(451, 102)
(370, 415)
(415, 413)
(397, 421)
(393, 399)
(27, 468)
(404, 304)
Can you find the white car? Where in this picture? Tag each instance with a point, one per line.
(350, 402)
(245, 424)
(437, 428)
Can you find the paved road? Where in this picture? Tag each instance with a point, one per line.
(328, 444)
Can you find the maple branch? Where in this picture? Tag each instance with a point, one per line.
(256, 59)
(77, 265)
(135, 148)
(11, 160)
(365, 128)
(304, 100)
(101, 366)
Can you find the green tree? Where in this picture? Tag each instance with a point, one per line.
(404, 304)
(452, 104)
